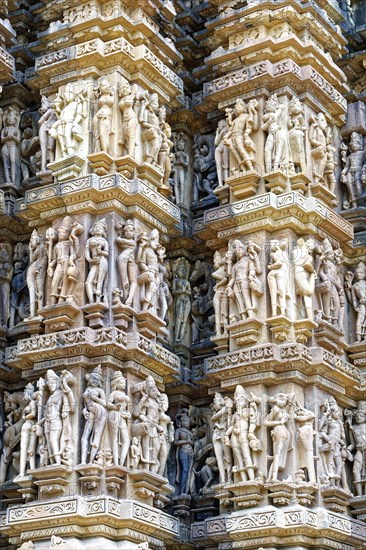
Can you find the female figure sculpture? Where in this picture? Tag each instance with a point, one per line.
(10, 141)
(118, 415)
(164, 297)
(356, 294)
(278, 419)
(333, 449)
(221, 152)
(318, 136)
(127, 94)
(237, 139)
(46, 140)
(180, 168)
(147, 261)
(28, 437)
(96, 253)
(151, 133)
(358, 446)
(95, 414)
(36, 273)
(304, 273)
(167, 435)
(126, 261)
(181, 291)
(183, 441)
(220, 299)
(102, 120)
(274, 124)
(278, 277)
(296, 134)
(13, 407)
(221, 421)
(305, 432)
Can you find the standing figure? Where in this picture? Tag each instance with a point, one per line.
(278, 419)
(147, 261)
(296, 134)
(56, 420)
(167, 435)
(274, 124)
(164, 299)
(10, 141)
(28, 437)
(13, 407)
(126, 261)
(19, 302)
(102, 120)
(204, 167)
(357, 431)
(329, 288)
(165, 156)
(356, 294)
(6, 273)
(222, 409)
(96, 253)
(71, 109)
(220, 299)
(241, 121)
(278, 277)
(36, 273)
(304, 274)
(181, 291)
(118, 416)
(46, 140)
(221, 152)
(61, 267)
(351, 175)
(152, 136)
(305, 434)
(127, 94)
(244, 286)
(29, 147)
(183, 441)
(180, 163)
(318, 132)
(95, 415)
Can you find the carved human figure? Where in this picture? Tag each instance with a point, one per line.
(28, 436)
(19, 302)
(329, 287)
(36, 273)
(127, 94)
(10, 141)
(167, 435)
(222, 409)
(244, 287)
(200, 307)
(242, 432)
(184, 443)
(180, 163)
(318, 136)
(126, 261)
(164, 298)
(221, 152)
(304, 274)
(296, 134)
(204, 167)
(29, 147)
(71, 109)
(356, 294)
(305, 435)
(46, 140)
(148, 263)
(135, 452)
(275, 125)
(357, 432)
(277, 419)
(241, 122)
(27, 546)
(332, 448)
(96, 254)
(351, 175)
(147, 416)
(278, 277)
(62, 257)
(13, 408)
(6, 273)
(118, 415)
(220, 298)
(207, 475)
(95, 415)
(55, 422)
(102, 120)
(152, 137)
(165, 155)
(181, 292)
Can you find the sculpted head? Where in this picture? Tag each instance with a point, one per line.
(360, 272)
(53, 381)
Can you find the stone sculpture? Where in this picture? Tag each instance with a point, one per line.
(201, 305)
(351, 175)
(13, 408)
(278, 278)
(10, 141)
(164, 298)
(332, 448)
(71, 107)
(329, 287)
(46, 139)
(27, 546)
(29, 150)
(102, 120)
(151, 135)
(127, 94)
(277, 420)
(148, 264)
(184, 443)
(241, 122)
(36, 273)
(355, 287)
(204, 174)
(296, 134)
(118, 416)
(357, 433)
(180, 163)
(222, 409)
(220, 299)
(305, 435)
(167, 435)
(304, 274)
(95, 414)
(62, 258)
(19, 302)
(275, 125)
(96, 254)
(244, 287)
(6, 273)
(320, 141)
(126, 261)
(28, 437)
(165, 155)
(221, 153)
(181, 292)
(207, 475)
